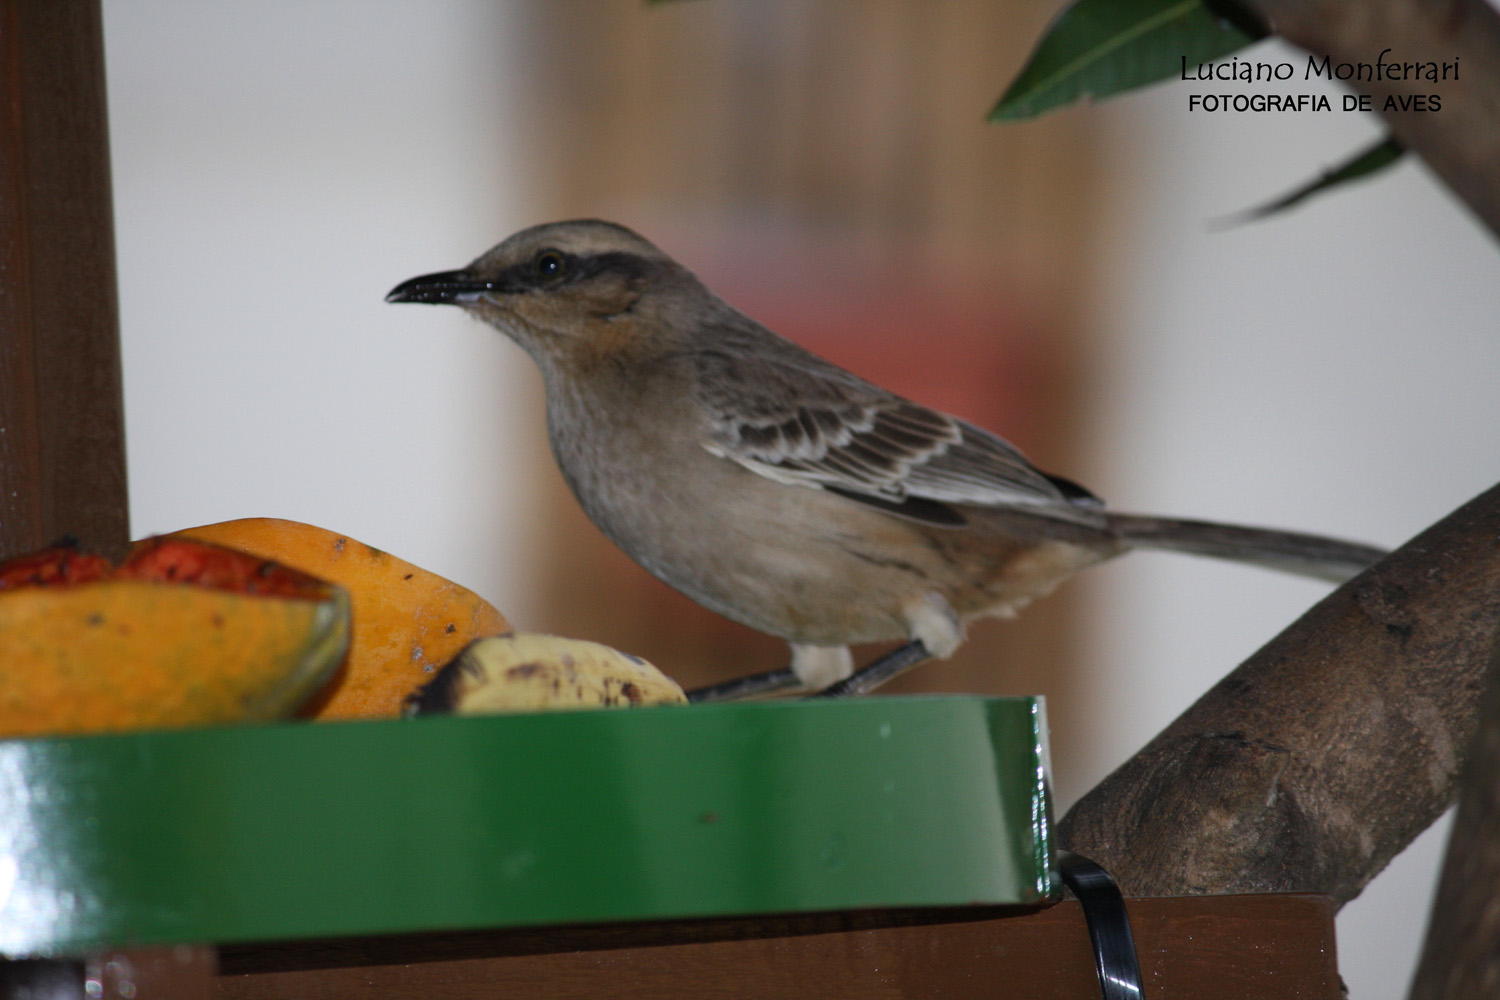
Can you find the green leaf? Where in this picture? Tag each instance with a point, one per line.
(1098, 48)
(1364, 163)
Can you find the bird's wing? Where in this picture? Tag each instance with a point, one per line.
(802, 421)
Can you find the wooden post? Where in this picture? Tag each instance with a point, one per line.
(62, 437)
(62, 443)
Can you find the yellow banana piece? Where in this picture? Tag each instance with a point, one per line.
(527, 672)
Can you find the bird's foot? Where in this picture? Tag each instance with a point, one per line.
(868, 678)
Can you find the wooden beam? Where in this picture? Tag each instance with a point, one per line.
(62, 443)
(1209, 947)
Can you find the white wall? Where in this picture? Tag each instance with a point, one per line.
(1334, 369)
(279, 166)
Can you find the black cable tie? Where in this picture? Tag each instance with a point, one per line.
(1109, 926)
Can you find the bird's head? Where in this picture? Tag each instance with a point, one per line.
(571, 293)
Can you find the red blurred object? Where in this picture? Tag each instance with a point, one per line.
(162, 560)
(57, 566)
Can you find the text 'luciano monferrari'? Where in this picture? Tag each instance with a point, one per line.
(1325, 68)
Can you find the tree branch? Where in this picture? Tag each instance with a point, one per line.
(1461, 141)
(1323, 755)
(1460, 959)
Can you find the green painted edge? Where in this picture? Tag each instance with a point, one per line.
(293, 830)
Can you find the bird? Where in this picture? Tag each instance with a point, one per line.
(783, 491)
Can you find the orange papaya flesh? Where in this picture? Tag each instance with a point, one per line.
(408, 621)
(59, 564)
(179, 560)
(148, 646)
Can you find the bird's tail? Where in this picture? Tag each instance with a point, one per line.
(1292, 552)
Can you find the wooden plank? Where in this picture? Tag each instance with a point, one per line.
(179, 973)
(62, 450)
(1225, 948)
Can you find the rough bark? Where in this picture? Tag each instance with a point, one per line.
(1461, 958)
(1461, 141)
(1318, 759)
(1324, 754)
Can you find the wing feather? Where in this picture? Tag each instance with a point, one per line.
(789, 415)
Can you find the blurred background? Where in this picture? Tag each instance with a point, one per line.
(826, 167)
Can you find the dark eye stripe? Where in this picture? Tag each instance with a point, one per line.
(550, 269)
(627, 265)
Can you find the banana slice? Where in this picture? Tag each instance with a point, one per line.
(527, 672)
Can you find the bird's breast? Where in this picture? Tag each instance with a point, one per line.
(789, 560)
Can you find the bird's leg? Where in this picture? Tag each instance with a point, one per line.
(868, 678)
(898, 661)
(812, 669)
(936, 631)
(769, 682)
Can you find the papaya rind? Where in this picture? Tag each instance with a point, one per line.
(127, 654)
(408, 621)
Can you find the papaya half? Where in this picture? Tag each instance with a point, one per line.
(180, 634)
(408, 621)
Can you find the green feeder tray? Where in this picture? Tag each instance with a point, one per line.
(265, 833)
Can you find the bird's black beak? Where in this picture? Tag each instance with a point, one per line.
(445, 287)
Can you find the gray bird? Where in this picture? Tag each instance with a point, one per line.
(782, 491)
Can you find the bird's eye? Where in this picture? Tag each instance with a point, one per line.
(550, 264)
